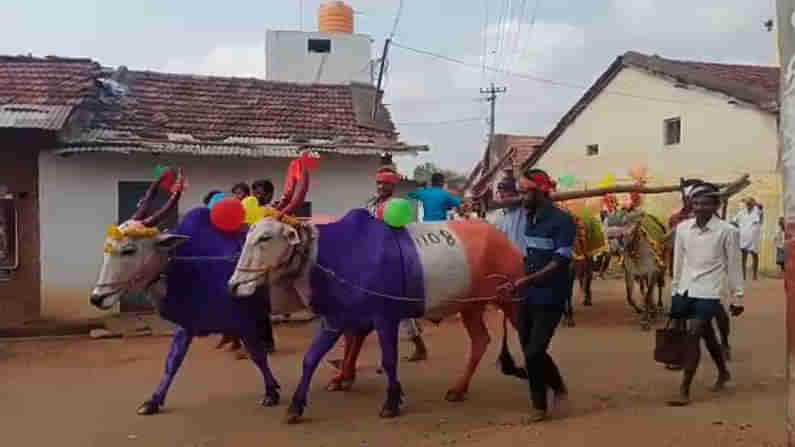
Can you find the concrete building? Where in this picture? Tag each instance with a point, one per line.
(79, 142)
(680, 119)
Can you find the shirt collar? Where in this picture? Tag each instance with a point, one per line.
(711, 224)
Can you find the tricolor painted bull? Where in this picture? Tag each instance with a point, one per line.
(186, 273)
(358, 273)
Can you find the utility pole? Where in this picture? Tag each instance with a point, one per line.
(380, 75)
(492, 98)
(785, 12)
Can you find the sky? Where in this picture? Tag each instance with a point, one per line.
(433, 101)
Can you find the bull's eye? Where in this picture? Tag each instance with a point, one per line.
(265, 238)
(128, 251)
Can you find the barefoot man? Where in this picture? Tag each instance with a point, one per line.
(546, 237)
(706, 252)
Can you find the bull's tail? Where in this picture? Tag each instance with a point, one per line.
(506, 361)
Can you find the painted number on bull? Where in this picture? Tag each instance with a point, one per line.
(436, 238)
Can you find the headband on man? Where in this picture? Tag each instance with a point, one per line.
(703, 189)
(386, 175)
(537, 180)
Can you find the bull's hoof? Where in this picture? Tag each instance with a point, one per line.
(645, 326)
(587, 303)
(271, 399)
(570, 322)
(455, 396)
(293, 416)
(340, 385)
(388, 413)
(148, 408)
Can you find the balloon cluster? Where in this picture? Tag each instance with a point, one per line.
(253, 212)
(639, 173)
(567, 181)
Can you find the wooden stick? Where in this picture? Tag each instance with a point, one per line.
(727, 190)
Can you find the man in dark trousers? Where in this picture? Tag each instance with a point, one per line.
(706, 253)
(548, 246)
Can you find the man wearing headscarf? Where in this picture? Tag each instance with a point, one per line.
(706, 253)
(546, 238)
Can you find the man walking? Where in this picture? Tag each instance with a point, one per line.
(706, 253)
(749, 221)
(436, 202)
(548, 245)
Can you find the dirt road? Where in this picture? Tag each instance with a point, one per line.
(84, 393)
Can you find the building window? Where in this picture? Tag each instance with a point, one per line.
(9, 239)
(319, 46)
(673, 131)
(591, 150)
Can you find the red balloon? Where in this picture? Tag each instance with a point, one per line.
(228, 214)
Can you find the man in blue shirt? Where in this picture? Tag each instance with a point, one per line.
(548, 245)
(436, 202)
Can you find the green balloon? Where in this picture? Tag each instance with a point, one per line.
(398, 213)
(159, 170)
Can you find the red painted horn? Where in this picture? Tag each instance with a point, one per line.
(155, 218)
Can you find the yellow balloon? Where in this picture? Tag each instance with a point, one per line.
(250, 203)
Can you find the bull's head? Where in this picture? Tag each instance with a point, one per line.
(276, 247)
(135, 253)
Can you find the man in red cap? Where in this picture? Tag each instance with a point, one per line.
(547, 243)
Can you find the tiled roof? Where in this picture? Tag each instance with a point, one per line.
(211, 108)
(50, 81)
(146, 111)
(757, 85)
(523, 147)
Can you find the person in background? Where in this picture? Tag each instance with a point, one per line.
(547, 243)
(241, 191)
(749, 221)
(706, 254)
(781, 254)
(209, 196)
(436, 202)
(263, 190)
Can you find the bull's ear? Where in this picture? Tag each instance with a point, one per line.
(168, 242)
(292, 236)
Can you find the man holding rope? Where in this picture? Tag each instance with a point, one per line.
(547, 241)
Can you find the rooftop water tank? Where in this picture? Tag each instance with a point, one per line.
(335, 17)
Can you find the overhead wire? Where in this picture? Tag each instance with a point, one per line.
(538, 79)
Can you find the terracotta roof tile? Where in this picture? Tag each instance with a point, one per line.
(215, 108)
(46, 81)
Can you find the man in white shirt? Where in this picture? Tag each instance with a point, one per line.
(706, 253)
(749, 220)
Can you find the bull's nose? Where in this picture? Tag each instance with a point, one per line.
(96, 300)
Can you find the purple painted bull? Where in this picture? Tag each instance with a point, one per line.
(186, 274)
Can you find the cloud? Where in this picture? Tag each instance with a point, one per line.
(243, 61)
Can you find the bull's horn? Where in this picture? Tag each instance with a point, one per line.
(143, 205)
(155, 218)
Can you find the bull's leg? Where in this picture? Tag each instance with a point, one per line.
(321, 345)
(479, 342)
(388, 340)
(176, 354)
(255, 344)
(629, 283)
(660, 286)
(648, 304)
(354, 341)
(587, 279)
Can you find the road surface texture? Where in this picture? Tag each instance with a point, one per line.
(81, 392)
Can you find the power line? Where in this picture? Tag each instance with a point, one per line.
(535, 78)
(397, 19)
(436, 123)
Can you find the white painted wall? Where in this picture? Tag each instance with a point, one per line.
(718, 139)
(288, 59)
(79, 201)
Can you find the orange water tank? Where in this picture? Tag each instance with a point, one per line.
(335, 17)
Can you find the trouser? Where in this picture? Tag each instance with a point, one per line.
(722, 321)
(267, 331)
(537, 326)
